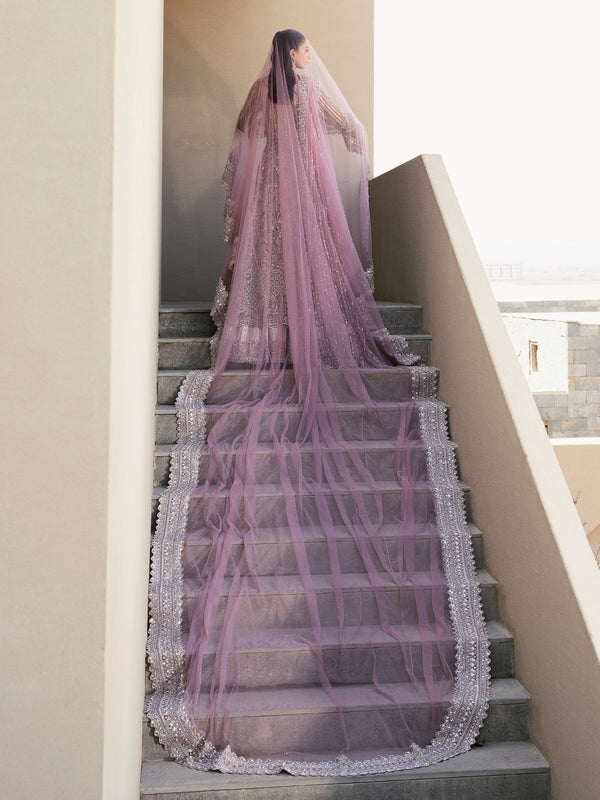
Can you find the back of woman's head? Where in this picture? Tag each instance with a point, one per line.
(283, 42)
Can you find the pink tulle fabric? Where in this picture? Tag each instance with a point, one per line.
(302, 613)
(303, 540)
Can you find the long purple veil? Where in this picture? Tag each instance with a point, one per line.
(314, 606)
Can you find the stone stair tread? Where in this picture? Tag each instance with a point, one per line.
(274, 640)
(185, 305)
(168, 339)
(170, 377)
(493, 759)
(180, 372)
(274, 489)
(169, 408)
(306, 447)
(340, 533)
(206, 305)
(292, 584)
(316, 534)
(310, 700)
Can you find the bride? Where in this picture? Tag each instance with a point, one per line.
(309, 576)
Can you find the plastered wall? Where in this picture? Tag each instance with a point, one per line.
(80, 202)
(549, 584)
(213, 52)
(56, 162)
(580, 462)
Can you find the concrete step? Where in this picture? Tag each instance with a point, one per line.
(501, 654)
(383, 459)
(269, 504)
(383, 385)
(281, 602)
(185, 319)
(401, 318)
(193, 352)
(193, 319)
(357, 421)
(269, 501)
(263, 718)
(507, 719)
(496, 771)
(282, 658)
(273, 551)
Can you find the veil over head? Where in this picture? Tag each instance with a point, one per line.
(283, 96)
(300, 560)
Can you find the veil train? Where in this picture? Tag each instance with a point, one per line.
(314, 603)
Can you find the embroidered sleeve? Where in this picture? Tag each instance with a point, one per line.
(337, 122)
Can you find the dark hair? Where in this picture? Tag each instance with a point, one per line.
(283, 42)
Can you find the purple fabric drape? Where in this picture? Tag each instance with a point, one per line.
(314, 577)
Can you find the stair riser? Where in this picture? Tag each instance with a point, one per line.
(401, 321)
(516, 785)
(284, 611)
(167, 388)
(386, 386)
(281, 559)
(320, 732)
(269, 510)
(191, 354)
(184, 354)
(276, 555)
(368, 729)
(382, 465)
(185, 323)
(199, 322)
(295, 667)
(356, 424)
(507, 721)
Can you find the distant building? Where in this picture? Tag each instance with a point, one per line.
(559, 352)
(504, 271)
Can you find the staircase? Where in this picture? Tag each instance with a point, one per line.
(505, 764)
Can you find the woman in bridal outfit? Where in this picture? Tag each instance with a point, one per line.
(290, 568)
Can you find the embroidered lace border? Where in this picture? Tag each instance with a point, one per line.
(176, 730)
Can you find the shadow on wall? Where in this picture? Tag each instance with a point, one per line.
(199, 114)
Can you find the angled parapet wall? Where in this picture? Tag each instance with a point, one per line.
(550, 585)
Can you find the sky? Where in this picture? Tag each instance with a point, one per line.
(509, 95)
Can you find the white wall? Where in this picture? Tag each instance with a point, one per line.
(553, 351)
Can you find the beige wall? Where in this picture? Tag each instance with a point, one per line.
(69, 409)
(579, 460)
(549, 584)
(213, 51)
(57, 186)
(136, 213)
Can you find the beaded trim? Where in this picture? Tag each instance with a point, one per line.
(217, 313)
(470, 699)
(165, 707)
(468, 708)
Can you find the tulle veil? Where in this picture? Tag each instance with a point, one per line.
(291, 545)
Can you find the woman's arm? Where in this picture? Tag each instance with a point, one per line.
(337, 122)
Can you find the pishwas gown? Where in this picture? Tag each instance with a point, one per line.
(314, 605)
